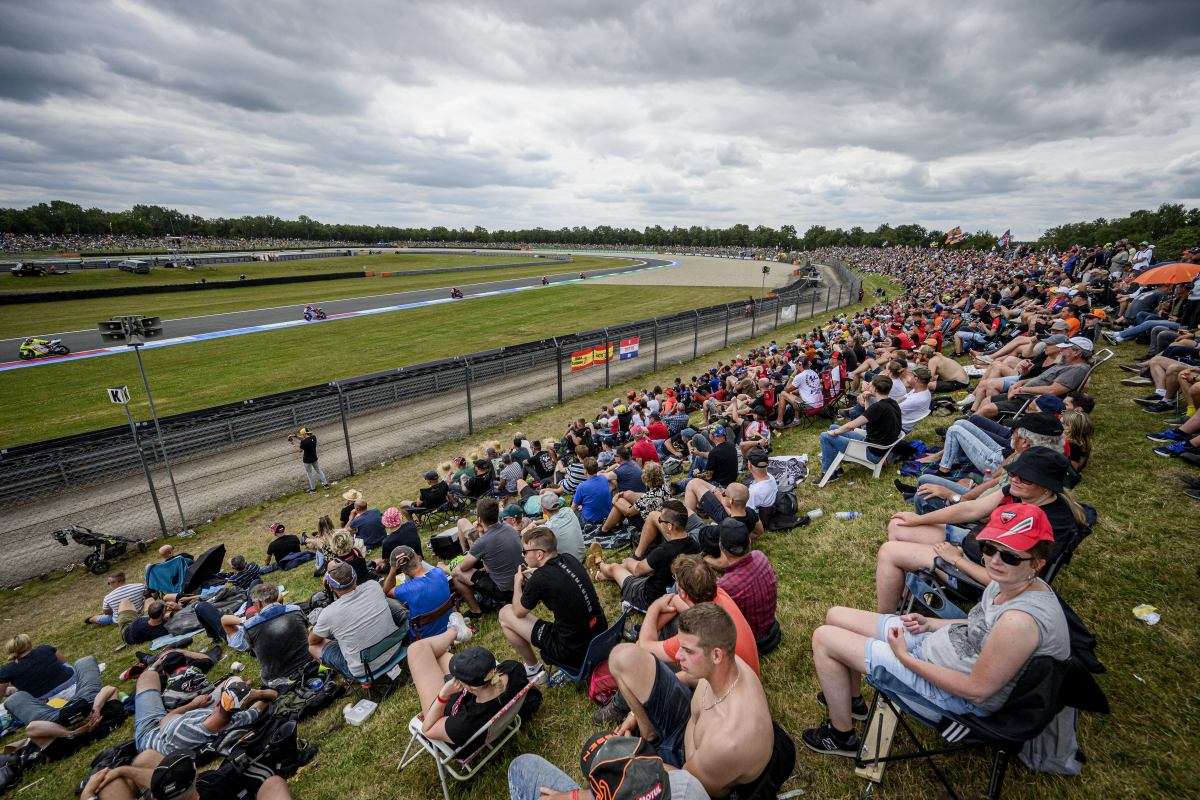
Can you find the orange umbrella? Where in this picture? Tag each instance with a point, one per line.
(1178, 272)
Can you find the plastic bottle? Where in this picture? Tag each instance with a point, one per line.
(357, 714)
(816, 513)
(848, 514)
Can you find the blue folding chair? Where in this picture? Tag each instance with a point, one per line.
(597, 651)
(167, 577)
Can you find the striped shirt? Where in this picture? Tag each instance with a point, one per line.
(133, 592)
(187, 731)
(575, 476)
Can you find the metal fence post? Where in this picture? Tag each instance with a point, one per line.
(828, 296)
(726, 325)
(812, 312)
(696, 341)
(342, 403)
(558, 363)
(606, 358)
(778, 303)
(655, 345)
(162, 523)
(839, 305)
(470, 416)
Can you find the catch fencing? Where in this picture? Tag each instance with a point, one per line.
(114, 481)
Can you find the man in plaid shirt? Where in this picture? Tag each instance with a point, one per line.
(749, 578)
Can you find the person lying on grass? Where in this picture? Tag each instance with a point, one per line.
(963, 667)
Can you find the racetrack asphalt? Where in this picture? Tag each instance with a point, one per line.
(89, 339)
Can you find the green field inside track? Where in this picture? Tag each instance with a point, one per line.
(166, 276)
(1142, 551)
(196, 375)
(70, 315)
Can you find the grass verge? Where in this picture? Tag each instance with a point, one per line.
(1144, 749)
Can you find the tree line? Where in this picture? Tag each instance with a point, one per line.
(1172, 228)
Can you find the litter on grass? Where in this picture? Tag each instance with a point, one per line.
(1147, 614)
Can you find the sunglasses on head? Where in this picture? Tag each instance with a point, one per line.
(1012, 559)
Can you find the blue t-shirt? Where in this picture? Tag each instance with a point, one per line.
(368, 526)
(629, 477)
(425, 594)
(595, 497)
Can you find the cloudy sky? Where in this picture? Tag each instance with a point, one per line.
(1009, 114)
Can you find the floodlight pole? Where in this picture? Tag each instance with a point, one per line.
(158, 430)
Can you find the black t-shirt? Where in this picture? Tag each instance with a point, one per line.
(478, 485)
(883, 424)
(308, 446)
(860, 353)
(850, 359)
(406, 535)
(659, 560)
(37, 672)
(562, 585)
(355, 559)
(723, 462)
(140, 630)
(283, 546)
(680, 444)
(543, 463)
(280, 642)
(434, 496)
(346, 512)
(1062, 521)
(465, 716)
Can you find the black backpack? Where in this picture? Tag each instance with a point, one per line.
(11, 769)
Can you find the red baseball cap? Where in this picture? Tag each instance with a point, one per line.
(1017, 526)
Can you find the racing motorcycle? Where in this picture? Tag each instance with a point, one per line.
(456, 293)
(311, 313)
(39, 348)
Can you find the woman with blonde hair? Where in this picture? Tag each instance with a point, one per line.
(33, 675)
(638, 505)
(1079, 429)
(342, 543)
(320, 543)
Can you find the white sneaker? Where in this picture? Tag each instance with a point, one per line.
(460, 625)
(537, 676)
(966, 401)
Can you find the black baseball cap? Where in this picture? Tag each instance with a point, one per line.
(175, 776)
(431, 475)
(735, 539)
(473, 666)
(623, 768)
(757, 457)
(1039, 423)
(1041, 466)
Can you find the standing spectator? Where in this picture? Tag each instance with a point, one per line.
(307, 444)
(118, 590)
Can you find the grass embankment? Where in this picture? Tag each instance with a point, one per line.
(70, 315)
(196, 375)
(1144, 749)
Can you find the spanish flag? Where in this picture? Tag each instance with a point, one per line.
(600, 355)
(581, 359)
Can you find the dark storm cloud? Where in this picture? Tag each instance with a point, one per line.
(613, 111)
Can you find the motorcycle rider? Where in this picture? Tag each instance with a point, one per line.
(582, 277)
(545, 280)
(38, 346)
(455, 294)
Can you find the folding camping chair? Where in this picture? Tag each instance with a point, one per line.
(443, 515)
(1082, 385)
(598, 650)
(463, 763)
(856, 453)
(391, 670)
(167, 577)
(830, 399)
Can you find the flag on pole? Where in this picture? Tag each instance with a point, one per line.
(955, 235)
(1004, 239)
(581, 359)
(629, 348)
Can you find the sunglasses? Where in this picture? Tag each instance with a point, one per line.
(533, 550)
(1012, 559)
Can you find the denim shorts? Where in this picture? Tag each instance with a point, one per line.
(955, 535)
(878, 653)
(669, 708)
(149, 712)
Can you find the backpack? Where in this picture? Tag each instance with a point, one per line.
(119, 755)
(942, 406)
(10, 771)
(672, 466)
(602, 685)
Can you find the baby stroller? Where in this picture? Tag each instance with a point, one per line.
(106, 547)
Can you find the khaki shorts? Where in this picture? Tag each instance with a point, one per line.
(124, 620)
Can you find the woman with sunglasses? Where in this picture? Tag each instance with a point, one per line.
(963, 667)
(1035, 477)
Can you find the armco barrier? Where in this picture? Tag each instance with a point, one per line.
(235, 455)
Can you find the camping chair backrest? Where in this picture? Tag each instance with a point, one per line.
(602, 645)
(429, 617)
(495, 725)
(167, 577)
(369, 654)
(1095, 363)
(1063, 556)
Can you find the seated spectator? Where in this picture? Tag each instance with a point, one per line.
(539, 467)
(636, 506)
(983, 452)
(320, 542)
(424, 591)
(195, 724)
(245, 576)
(718, 505)
(804, 392)
(725, 724)
(167, 552)
(277, 635)
(506, 481)
(945, 374)
(282, 546)
(513, 516)
(643, 581)
(33, 675)
(1079, 430)
(722, 464)
(118, 590)
(460, 693)
(949, 663)
(570, 475)
(400, 533)
(915, 405)
(1067, 376)
(626, 475)
(351, 496)
(491, 562)
(748, 577)
(562, 521)
(44, 723)
(479, 483)
(592, 501)
(556, 580)
(135, 629)
(342, 545)
(432, 497)
(756, 433)
(359, 618)
(367, 524)
(643, 451)
(519, 450)
(882, 419)
(176, 777)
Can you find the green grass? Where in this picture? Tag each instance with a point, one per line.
(196, 375)
(70, 315)
(1142, 551)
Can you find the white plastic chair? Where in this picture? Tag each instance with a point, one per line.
(497, 731)
(856, 453)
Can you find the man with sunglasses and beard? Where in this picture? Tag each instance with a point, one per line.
(963, 667)
(1035, 478)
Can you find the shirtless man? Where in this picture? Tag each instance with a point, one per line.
(722, 732)
(947, 375)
